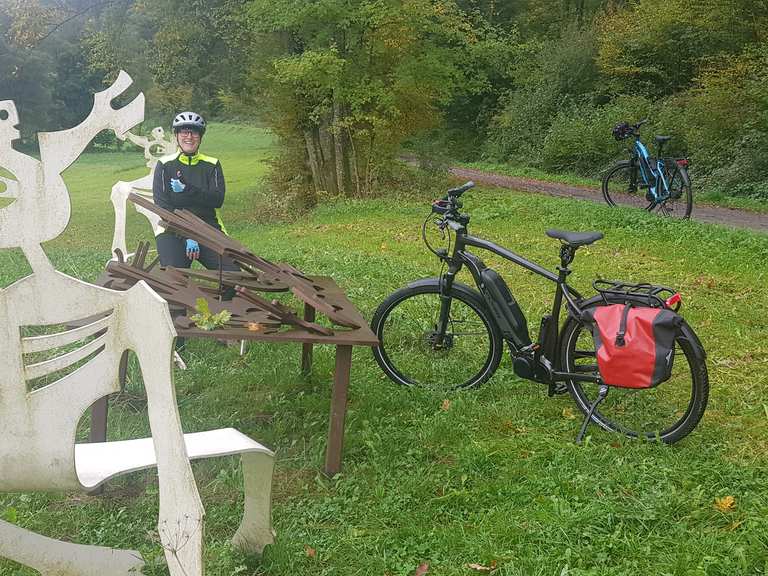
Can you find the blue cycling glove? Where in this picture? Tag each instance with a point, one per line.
(177, 185)
(193, 249)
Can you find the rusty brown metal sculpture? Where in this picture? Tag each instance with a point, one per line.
(253, 317)
(258, 271)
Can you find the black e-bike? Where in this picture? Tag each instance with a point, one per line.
(443, 334)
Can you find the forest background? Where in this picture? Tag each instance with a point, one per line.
(348, 85)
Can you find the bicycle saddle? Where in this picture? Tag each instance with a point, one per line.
(575, 238)
(662, 139)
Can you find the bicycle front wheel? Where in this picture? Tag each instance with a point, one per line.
(412, 353)
(668, 412)
(622, 186)
(680, 201)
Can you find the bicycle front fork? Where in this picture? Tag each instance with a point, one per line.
(446, 283)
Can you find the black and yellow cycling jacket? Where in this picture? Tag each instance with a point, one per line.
(204, 180)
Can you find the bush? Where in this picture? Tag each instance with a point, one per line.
(551, 75)
(580, 138)
(745, 174)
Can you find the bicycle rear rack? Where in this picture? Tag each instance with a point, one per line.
(655, 295)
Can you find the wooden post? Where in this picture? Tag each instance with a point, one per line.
(306, 349)
(338, 410)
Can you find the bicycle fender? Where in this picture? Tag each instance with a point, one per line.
(686, 178)
(436, 281)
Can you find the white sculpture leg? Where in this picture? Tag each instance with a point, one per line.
(255, 530)
(54, 558)
(119, 198)
(180, 524)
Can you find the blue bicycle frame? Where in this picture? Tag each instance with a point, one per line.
(652, 177)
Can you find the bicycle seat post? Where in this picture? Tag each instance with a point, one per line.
(567, 254)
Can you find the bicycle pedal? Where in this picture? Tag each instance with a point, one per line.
(557, 389)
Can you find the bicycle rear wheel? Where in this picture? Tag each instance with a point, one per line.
(680, 202)
(410, 352)
(668, 412)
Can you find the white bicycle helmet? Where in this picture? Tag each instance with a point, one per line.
(188, 120)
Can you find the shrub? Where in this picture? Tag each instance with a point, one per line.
(580, 139)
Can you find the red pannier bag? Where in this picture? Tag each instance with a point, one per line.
(635, 345)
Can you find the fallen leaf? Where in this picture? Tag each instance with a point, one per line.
(480, 568)
(725, 504)
(255, 327)
(310, 552)
(446, 405)
(568, 413)
(422, 569)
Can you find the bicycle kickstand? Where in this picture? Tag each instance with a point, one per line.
(601, 394)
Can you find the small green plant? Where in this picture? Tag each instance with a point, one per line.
(205, 320)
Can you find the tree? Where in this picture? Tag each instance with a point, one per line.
(351, 79)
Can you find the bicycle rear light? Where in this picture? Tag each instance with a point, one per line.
(682, 162)
(673, 300)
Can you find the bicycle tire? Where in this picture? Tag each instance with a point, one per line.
(407, 318)
(621, 186)
(667, 412)
(681, 195)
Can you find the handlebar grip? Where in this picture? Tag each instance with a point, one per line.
(440, 207)
(461, 189)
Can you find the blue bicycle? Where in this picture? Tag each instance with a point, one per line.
(643, 181)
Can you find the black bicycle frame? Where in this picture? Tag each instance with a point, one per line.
(461, 257)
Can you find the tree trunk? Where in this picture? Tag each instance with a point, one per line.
(314, 165)
(338, 143)
(326, 162)
(352, 157)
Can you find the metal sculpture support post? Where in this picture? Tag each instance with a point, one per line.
(53, 372)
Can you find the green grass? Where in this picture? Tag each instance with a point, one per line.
(700, 196)
(496, 476)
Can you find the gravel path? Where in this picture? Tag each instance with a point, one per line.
(702, 213)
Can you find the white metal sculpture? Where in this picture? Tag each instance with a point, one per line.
(80, 365)
(154, 148)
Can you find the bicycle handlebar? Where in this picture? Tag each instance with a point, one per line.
(461, 189)
(624, 130)
(449, 204)
(448, 207)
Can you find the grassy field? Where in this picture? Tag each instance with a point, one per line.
(492, 477)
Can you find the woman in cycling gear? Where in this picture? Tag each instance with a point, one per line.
(191, 181)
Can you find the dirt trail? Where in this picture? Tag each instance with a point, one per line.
(702, 213)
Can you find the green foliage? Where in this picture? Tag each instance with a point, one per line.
(352, 80)
(697, 70)
(656, 47)
(551, 75)
(205, 320)
(580, 139)
(347, 84)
